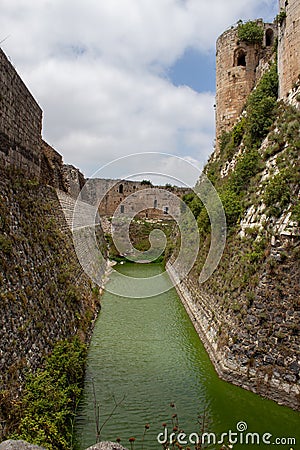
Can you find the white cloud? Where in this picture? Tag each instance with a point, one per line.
(97, 69)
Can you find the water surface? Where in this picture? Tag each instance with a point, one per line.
(148, 351)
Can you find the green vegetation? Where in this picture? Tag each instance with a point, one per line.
(47, 409)
(250, 32)
(281, 17)
(277, 194)
(5, 244)
(261, 109)
(247, 166)
(232, 206)
(296, 212)
(139, 232)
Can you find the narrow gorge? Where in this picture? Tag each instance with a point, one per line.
(246, 313)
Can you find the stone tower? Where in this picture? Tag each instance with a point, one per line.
(238, 67)
(288, 45)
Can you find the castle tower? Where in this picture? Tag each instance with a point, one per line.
(237, 72)
(288, 45)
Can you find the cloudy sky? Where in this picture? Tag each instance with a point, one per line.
(116, 77)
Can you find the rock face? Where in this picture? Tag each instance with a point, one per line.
(247, 313)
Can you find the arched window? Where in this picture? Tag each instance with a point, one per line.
(269, 37)
(240, 58)
(155, 204)
(121, 189)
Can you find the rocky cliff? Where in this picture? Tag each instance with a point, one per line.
(247, 313)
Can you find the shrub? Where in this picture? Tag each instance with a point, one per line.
(246, 167)
(5, 244)
(232, 206)
(224, 140)
(146, 182)
(238, 132)
(281, 17)
(50, 398)
(250, 32)
(261, 108)
(296, 212)
(203, 221)
(278, 193)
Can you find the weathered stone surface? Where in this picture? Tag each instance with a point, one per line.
(20, 122)
(149, 201)
(18, 445)
(106, 446)
(45, 294)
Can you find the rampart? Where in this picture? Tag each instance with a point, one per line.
(20, 121)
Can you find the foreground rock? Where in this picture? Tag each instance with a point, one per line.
(22, 445)
(18, 445)
(106, 446)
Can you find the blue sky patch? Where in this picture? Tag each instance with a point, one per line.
(194, 69)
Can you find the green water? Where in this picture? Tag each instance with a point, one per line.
(148, 350)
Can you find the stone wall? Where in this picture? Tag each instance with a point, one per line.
(45, 295)
(20, 122)
(289, 46)
(73, 180)
(52, 167)
(231, 358)
(125, 197)
(21, 144)
(239, 67)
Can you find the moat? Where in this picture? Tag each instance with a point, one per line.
(148, 351)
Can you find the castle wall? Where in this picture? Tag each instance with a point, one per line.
(73, 180)
(125, 197)
(20, 121)
(45, 294)
(289, 47)
(52, 167)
